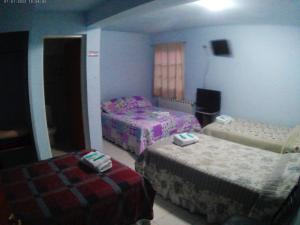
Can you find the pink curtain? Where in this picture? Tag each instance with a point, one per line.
(169, 70)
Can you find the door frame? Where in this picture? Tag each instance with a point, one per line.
(83, 84)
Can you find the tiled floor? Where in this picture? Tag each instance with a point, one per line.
(57, 152)
(165, 213)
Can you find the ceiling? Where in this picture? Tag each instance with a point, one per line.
(187, 14)
(93, 10)
(167, 15)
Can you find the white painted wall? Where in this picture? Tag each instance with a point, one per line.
(126, 65)
(41, 25)
(260, 81)
(93, 90)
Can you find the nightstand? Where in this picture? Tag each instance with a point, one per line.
(206, 118)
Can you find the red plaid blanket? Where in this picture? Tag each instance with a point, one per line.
(63, 191)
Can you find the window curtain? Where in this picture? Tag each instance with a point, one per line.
(169, 71)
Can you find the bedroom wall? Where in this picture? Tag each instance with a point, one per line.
(93, 89)
(15, 18)
(261, 79)
(126, 65)
(41, 25)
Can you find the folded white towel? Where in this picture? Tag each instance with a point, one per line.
(184, 139)
(95, 158)
(105, 166)
(97, 161)
(161, 113)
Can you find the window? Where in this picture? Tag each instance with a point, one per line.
(169, 71)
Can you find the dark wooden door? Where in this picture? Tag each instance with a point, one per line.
(13, 83)
(62, 71)
(73, 69)
(14, 99)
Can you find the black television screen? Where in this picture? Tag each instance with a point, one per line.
(220, 48)
(208, 100)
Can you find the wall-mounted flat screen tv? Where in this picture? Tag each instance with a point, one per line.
(220, 47)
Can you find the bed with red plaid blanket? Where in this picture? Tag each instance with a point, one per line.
(63, 191)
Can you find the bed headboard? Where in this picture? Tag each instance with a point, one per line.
(179, 105)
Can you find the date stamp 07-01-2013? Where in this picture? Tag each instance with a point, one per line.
(24, 1)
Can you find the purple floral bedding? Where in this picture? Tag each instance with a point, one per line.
(133, 123)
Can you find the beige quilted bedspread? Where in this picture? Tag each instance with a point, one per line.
(215, 174)
(256, 134)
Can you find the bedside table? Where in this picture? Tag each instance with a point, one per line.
(206, 118)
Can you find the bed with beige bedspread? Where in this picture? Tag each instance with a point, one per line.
(256, 134)
(219, 178)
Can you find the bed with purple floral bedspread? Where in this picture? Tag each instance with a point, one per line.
(133, 123)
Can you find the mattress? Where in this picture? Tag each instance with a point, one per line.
(251, 133)
(135, 129)
(7, 134)
(12, 139)
(63, 191)
(219, 178)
